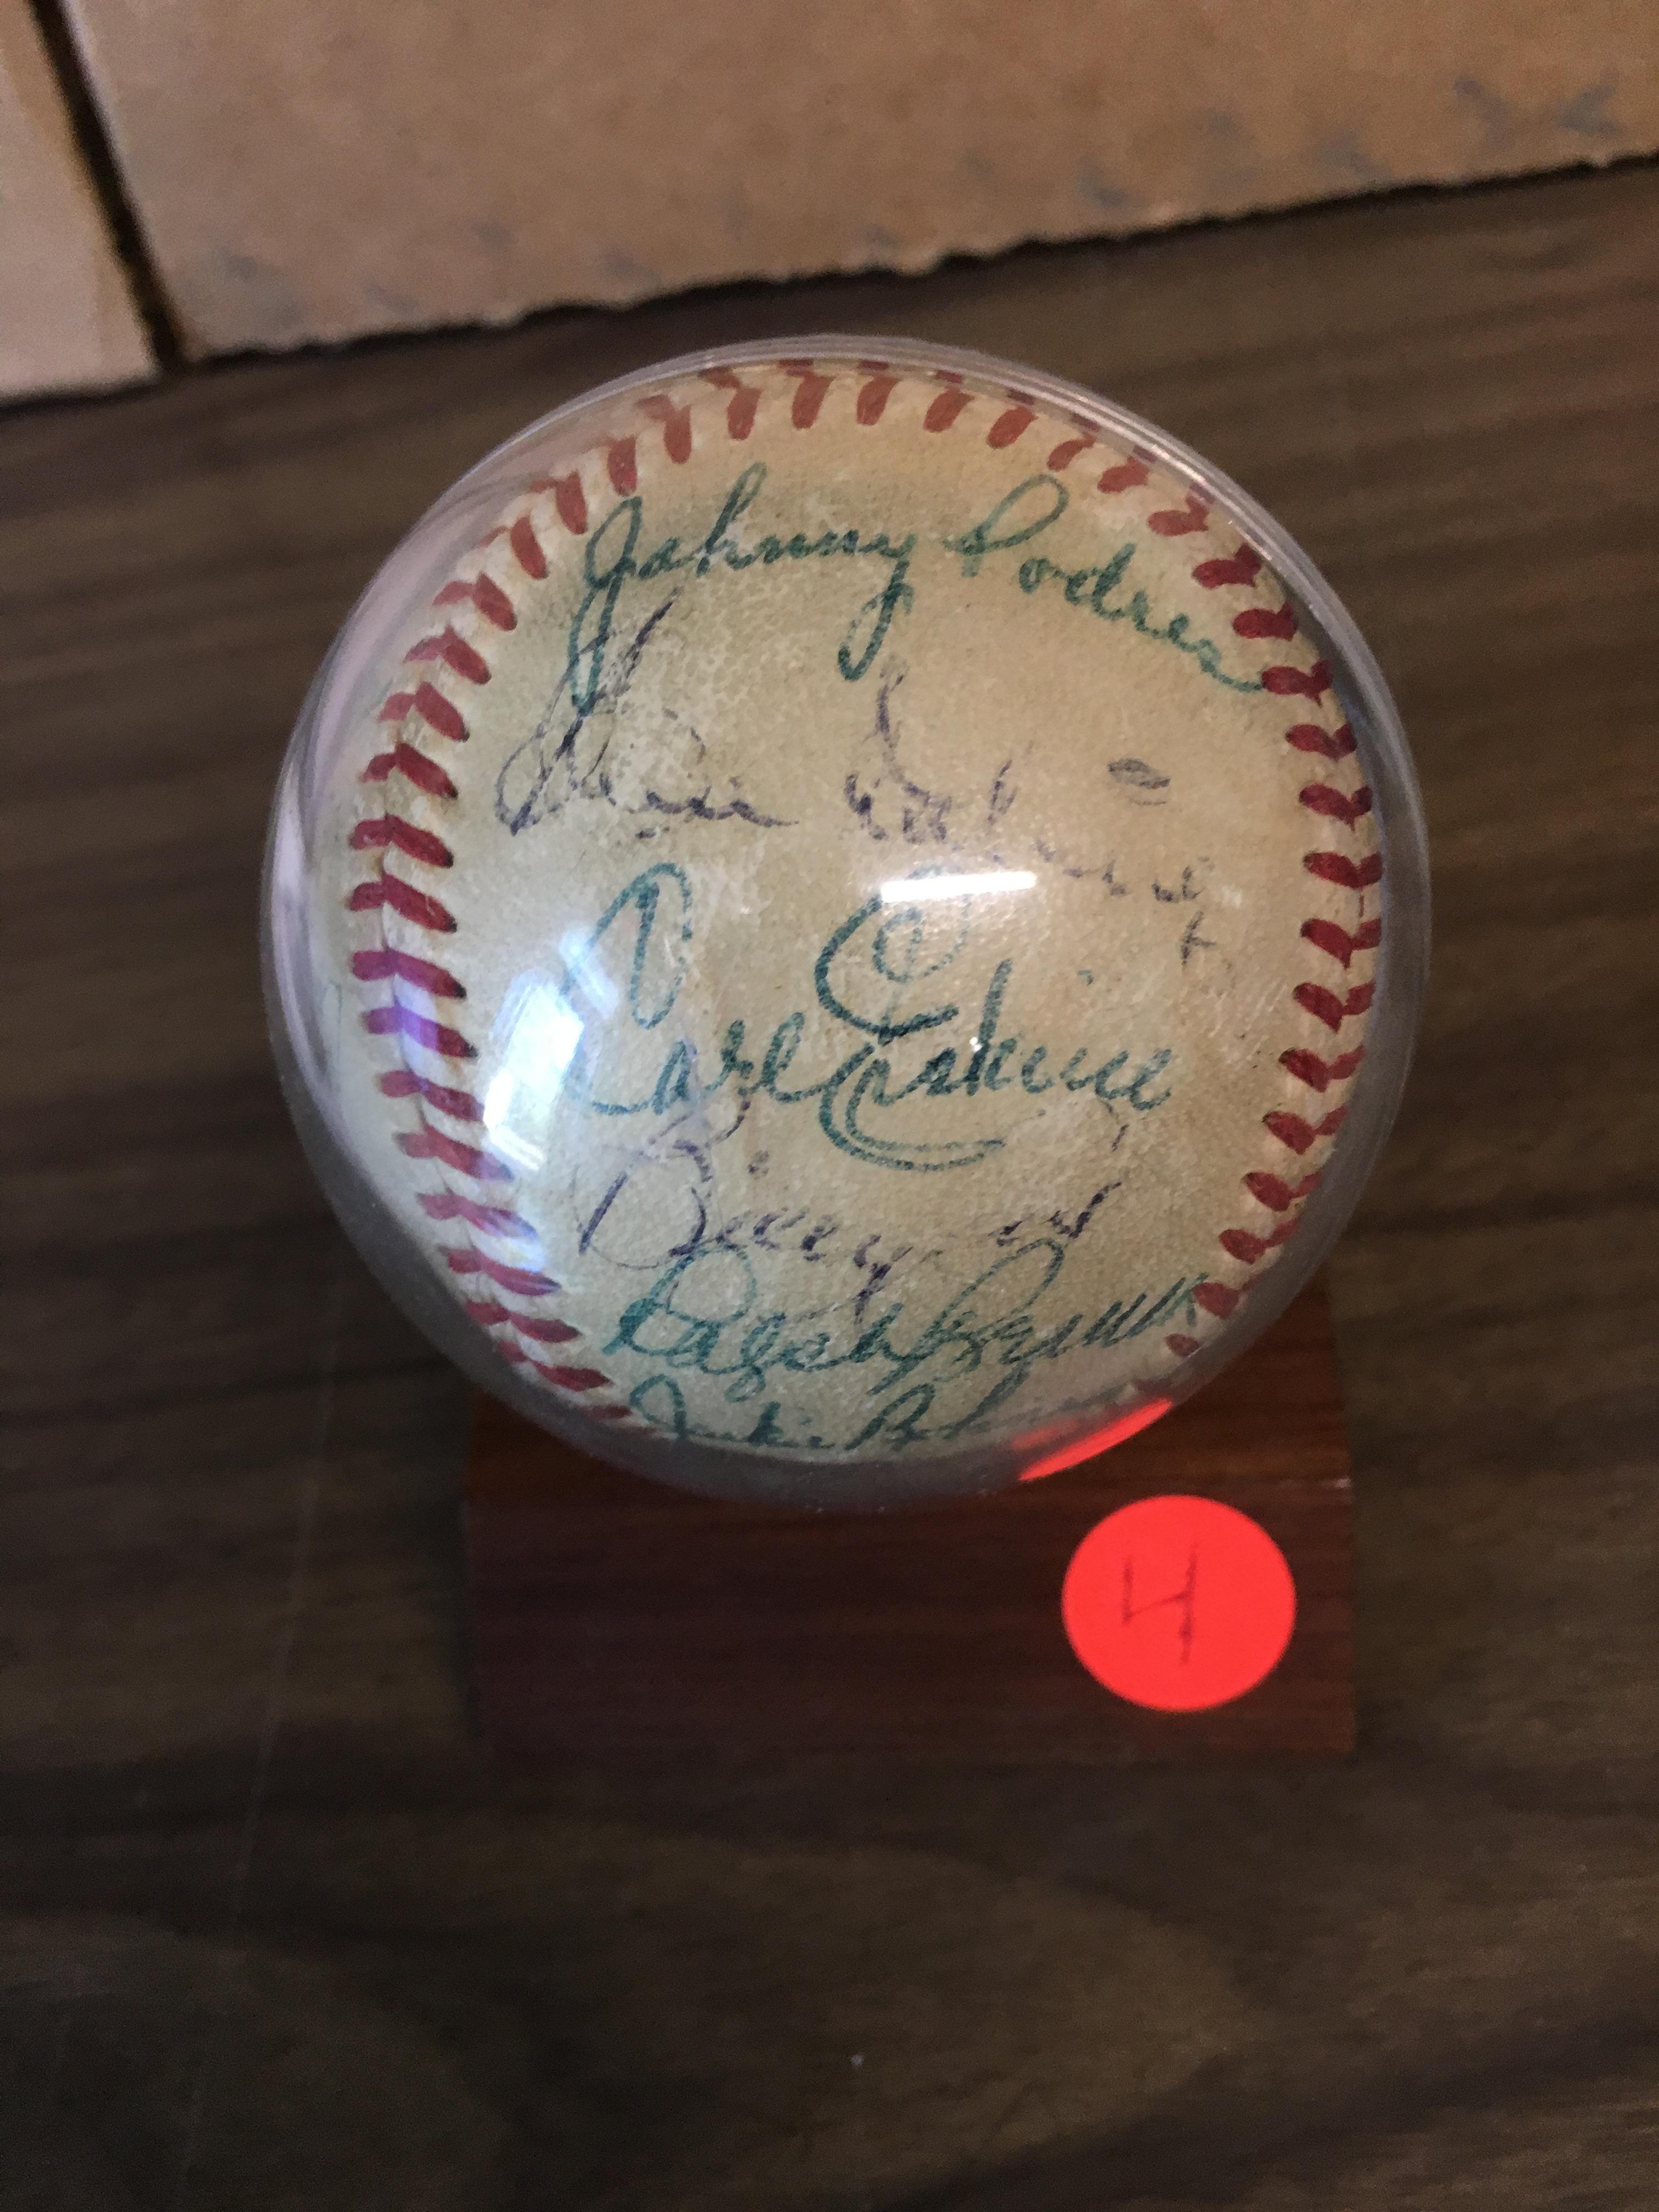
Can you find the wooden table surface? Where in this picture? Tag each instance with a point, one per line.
(271, 1932)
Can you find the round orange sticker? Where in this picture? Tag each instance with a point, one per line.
(1179, 1603)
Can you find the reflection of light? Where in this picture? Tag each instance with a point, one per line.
(1098, 1440)
(542, 1034)
(904, 891)
(585, 973)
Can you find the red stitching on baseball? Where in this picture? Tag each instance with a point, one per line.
(400, 1020)
(1067, 450)
(378, 831)
(438, 712)
(1274, 1193)
(571, 501)
(455, 652)
(1123, 476)
(1319, 1074)
(1008, 426)
(676, 424)
(1337, 868)
(572, 1379)
(404, 1083)
(493, 1221)
(466, 1259)
(1331, 937)
(1177, 521)
(810, 391)
(622, 464)
(1324, 1005)
(743, 404)
(380, 966)
(1342, 807)
(873, 397)
(1308, 738)
(552, 1331)
(1263, 621)
(569, 498)
(495, 1315)
(482, 592)
(403, 898)
(1300, 683)
(429, 1144)
(388, 964)
(1239, 1244)
(1291, 1129)
(1242, 1245)
(944, 410)
(526, 548)
(424, 773)
(1241, 567)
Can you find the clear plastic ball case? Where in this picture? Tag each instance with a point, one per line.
(844, 923)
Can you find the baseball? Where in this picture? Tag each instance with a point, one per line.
(849, 916)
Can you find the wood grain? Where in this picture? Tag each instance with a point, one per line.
(612, 1617)
(274, 1933)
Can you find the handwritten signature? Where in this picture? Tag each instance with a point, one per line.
(551, 767)
(602, 652)
(867, 978)
(702, 1317)
(1033, 507)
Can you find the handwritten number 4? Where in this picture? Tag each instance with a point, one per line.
(1182, 1597)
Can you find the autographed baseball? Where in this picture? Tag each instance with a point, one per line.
(825, 922)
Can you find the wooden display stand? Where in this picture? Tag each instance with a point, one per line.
(615, 1618)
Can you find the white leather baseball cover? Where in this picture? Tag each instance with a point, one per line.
(856, 914)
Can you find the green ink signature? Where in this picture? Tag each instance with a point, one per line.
(1034, 506)
(867, 978)
(615, 558)
(700, 1316)
(610, 560)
